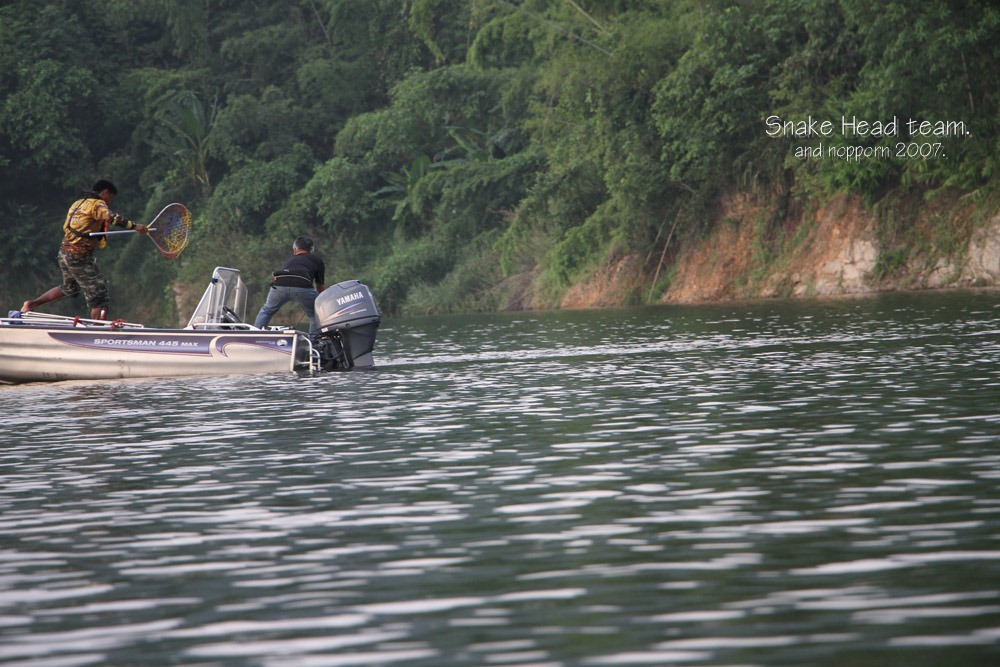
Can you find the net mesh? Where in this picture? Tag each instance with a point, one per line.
(171, 229)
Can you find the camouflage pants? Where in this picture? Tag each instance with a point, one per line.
(80, 272)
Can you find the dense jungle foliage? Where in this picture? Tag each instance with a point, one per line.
(455, 154)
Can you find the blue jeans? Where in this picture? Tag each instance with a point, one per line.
(279, 296)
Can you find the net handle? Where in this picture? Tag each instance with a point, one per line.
(121, 231)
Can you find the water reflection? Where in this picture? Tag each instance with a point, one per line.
(757, 484)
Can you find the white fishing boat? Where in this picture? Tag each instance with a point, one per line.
(36, 347)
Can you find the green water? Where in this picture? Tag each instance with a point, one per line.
(781, 483)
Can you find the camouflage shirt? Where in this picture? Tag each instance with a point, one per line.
(86, 215)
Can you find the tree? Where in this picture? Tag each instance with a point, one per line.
(182, 133)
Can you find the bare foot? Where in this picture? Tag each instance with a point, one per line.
(26, 308)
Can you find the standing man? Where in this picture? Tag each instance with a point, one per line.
(77, 262)
(294, 282)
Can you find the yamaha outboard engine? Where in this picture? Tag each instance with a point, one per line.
(348, 319)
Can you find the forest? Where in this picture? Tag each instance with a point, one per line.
(456, 155)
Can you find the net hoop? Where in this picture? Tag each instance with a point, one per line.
(170, 230)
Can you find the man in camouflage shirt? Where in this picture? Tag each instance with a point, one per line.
(77, 262)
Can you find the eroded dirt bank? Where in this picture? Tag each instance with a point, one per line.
(839, 248)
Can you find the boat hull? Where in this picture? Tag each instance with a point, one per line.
(33, 353)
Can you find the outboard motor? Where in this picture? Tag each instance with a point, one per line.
(348, 320)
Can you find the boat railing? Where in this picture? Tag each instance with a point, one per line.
(67, 320)
(313, 363)
(222, 325)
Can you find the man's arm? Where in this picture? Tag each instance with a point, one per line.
(122, 221)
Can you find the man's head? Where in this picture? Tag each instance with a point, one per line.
(303, 244)
(102, 185)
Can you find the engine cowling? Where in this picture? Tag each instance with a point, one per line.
(348, 320)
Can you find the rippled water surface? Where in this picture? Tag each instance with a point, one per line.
(763, 484)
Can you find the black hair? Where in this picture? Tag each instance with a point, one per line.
(303, 243)
(103, 185)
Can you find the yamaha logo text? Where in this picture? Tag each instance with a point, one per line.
(355, 296)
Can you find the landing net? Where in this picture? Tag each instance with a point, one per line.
(171, 230)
